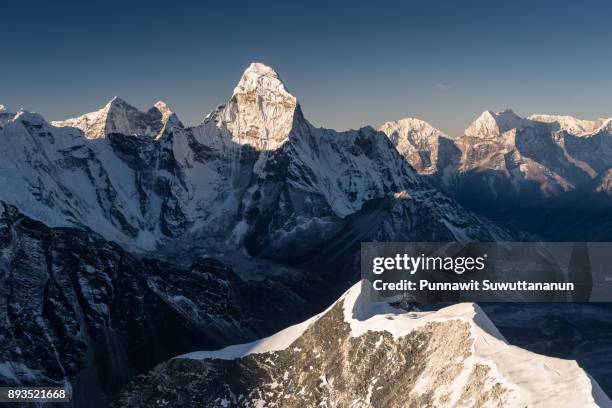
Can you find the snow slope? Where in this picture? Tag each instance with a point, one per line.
(528, 379)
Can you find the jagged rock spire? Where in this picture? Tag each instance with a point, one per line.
(261, 111)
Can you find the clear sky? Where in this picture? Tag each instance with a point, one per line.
(349, 63)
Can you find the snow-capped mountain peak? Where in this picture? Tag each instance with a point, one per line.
(491, 124)
(255, 72)
(261, 111)
(117, 116)
(416, 140)
(447, 358)
(116, 101)
(411, 127)
(2, 109)
(168, 118)
(162, 107)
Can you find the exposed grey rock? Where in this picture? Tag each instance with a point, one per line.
(80, 310)
(347, 357)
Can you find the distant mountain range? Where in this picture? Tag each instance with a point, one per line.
(534, 174)
(129, 238)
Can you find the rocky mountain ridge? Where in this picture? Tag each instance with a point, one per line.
(363, 354)
(494, 139)
(80, 312)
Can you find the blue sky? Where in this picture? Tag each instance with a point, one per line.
(349, 63)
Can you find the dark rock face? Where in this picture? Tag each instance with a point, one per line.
(80, 309)
(323, 367)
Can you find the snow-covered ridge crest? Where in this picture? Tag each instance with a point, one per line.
(570, 124)
(522, 378)
(261, 111)
(117, 116)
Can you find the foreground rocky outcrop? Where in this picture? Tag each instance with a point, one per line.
(363, 354)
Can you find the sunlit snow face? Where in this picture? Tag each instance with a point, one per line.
(261, 111)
